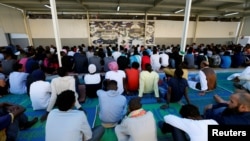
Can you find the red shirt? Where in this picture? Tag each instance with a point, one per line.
(145, 60)
(132, 79)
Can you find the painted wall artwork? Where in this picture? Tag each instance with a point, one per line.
(121, 32)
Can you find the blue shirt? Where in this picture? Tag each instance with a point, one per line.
(113, 106)
(178, 87)
(5, 121)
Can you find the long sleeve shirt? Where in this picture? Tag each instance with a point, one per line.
(196, 129)
(59, 85)
(68, 125)
(149, 83)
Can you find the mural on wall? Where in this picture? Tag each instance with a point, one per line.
(121, 32)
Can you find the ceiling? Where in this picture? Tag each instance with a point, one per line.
(133, 9)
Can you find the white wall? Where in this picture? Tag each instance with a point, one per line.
(246, 27)
(3, 40)
(43, 28)
(11, 20)
(217, 29)
(172, 29)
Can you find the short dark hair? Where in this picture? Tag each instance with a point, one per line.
(62, 71)
(135, 65)
(148, 67)
(189, 110)
(135, 104)
(178, 73)
(17, 66)
(111, 83)
(65, 100)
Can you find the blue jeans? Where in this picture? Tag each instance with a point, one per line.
(97, 134)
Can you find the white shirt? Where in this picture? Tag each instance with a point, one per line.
(40, 92)
(118, 77)
(116, 55)
(92, 78)
(196, 129)
(164, 59)
(17, 82)
(68, 125)
(60, 84)
(142, 128)
(201, 77)
(155, 62)
(203, 80)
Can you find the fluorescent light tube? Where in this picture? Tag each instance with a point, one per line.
(46, 5)
(178, 11)
(118, 8)
(230, 14)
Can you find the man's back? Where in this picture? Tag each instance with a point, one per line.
(148, 81)
(112, 106)
(141, 128)
(59, 130)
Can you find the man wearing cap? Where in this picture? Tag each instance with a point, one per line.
(93, 81)
(205, 80)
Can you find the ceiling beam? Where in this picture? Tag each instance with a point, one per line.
(19, 1)
(225, 6)
(233, 1)
(84, 6)
(157, 2)
(197, 2)
(115, 4)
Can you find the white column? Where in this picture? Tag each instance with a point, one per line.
(185, 28)
(27, 28)
(146, 24)
(238, 36)
(90, 43)
(56, 30)
(195, 28)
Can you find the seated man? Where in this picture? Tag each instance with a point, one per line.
(92, 81)
(40, 91)
(149, 82)
(236, 111)
(138, 125)
(113, 105)
(58, 85)
(67, 124)
(170, 72)
(13, 119)
(17, 80)
(191, 123)
(205, 80)
(176, 89)
(241, 80)
(132, 75)
(3, 85)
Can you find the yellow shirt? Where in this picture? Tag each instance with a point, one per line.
(149, 83)
(171, 72)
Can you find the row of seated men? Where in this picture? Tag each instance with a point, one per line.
(130, 121)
